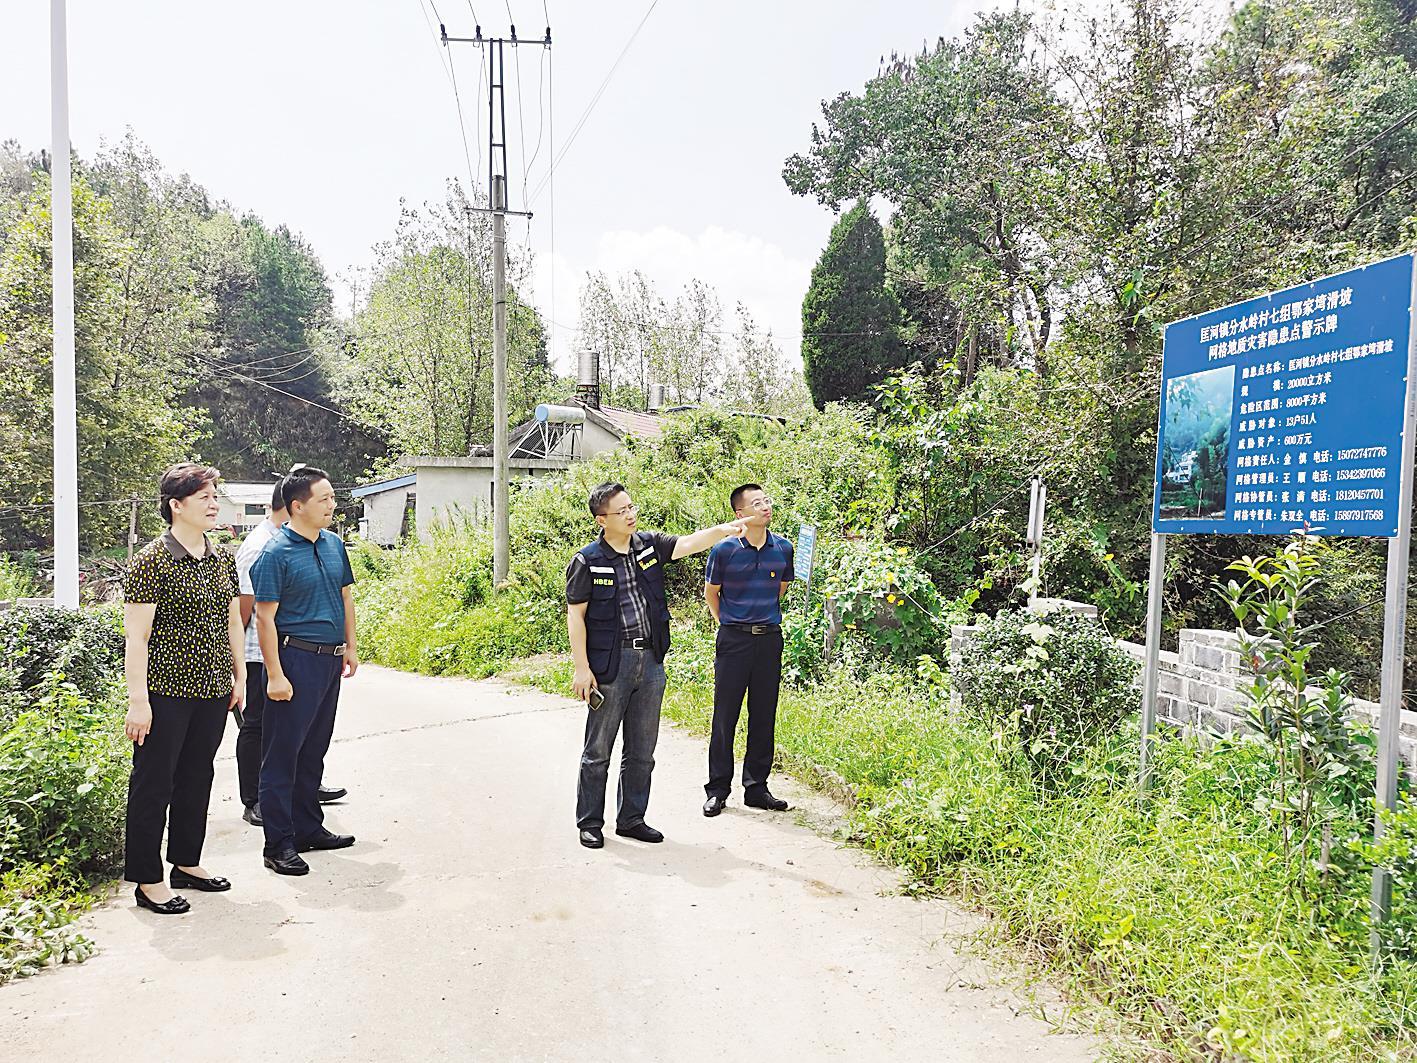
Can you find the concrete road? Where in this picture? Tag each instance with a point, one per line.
(468, 923)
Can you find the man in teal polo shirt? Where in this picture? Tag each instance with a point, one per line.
(744, 582)
(305, 622)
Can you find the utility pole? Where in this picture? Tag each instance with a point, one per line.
(61, 205)
(501, 526)
(497, 207)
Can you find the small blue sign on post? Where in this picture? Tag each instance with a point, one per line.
(803, 556)
(1287, 410)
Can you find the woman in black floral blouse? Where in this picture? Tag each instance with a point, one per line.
(186, 669)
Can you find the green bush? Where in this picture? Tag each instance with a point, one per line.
(64, 773)
(1057, 682)
(881, 602)
(18, 578)
(84, 645)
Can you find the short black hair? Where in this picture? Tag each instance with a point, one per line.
(601, 495)
(277, 499)
(739, 492)
(299, 484)
(180, 481)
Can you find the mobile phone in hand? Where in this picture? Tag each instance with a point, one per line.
(596, 698)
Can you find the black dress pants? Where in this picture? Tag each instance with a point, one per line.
(248, 739)
(751, 664)
(172, 783)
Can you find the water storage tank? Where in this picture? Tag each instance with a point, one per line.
(546, 413)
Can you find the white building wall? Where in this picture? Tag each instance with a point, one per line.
(596, 440)
(446, 491)
(383, 513)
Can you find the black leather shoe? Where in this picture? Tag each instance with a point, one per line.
(172, 906)
(714, 805)
(327, 840)
(592, 838)
(326, 794)
(252, 815)
(179, 879)
(287, 862)
(641, 832)
(763, 799)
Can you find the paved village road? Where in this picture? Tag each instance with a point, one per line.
(468, 923)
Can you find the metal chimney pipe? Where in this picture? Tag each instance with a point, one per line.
(656, 398)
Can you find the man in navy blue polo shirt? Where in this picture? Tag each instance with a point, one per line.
(305, 623)
(744, 583)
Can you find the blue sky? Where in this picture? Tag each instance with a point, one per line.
(322, 114)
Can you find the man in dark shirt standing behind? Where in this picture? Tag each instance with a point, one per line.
(617, 616)
(744, 583)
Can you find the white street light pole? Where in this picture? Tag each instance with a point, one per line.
(66, 449)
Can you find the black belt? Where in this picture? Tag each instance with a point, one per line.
(337, 650)
(640, 643)
(755, 629)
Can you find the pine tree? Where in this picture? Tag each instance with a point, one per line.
(850, 320)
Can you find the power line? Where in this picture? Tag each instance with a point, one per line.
(291, 395)
(580, 123)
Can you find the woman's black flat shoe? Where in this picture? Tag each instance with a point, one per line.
(172, 906)
(182, 880)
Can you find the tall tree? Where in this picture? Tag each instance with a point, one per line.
(643, 339)
(759, 378)
(850, 319)
(421, 354)
(128, 430)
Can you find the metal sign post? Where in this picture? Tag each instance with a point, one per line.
(1151, 669)
(1395, 635)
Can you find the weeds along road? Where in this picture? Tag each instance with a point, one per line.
(468, 923)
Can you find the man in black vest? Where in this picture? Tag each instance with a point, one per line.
(618, 619)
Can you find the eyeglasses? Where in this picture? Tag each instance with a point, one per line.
(762, 503)
(623, 511)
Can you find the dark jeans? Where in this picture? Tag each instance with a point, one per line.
(751, 664)
(633, 701)
(248, 739)
(172, 783)
(295, 735)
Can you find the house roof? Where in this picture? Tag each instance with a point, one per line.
(614, 419)
(380, 486)
(628, 422)
(245, 492)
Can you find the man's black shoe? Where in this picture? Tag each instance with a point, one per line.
(763, 799)
(325, 840)
(641, 832)
(591, 838)
(714, 805)
(331, 793)
(287, 862)
(252, 815)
